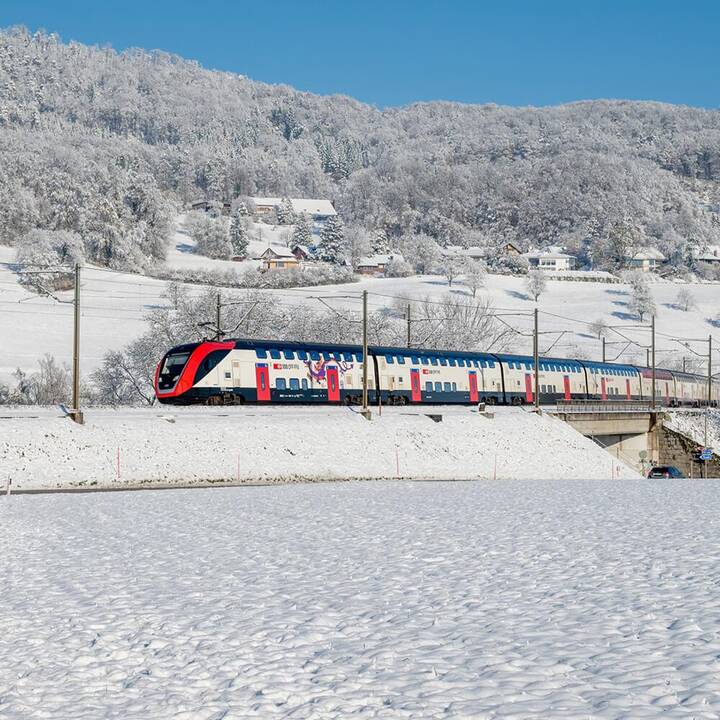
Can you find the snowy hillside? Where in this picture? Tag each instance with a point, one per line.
(114, 306)
(38, 448)
(553, 600)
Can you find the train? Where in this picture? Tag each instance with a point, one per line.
(239, 371)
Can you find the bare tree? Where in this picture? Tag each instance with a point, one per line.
(641, 300)
(599, 328)
(451, 266)
(685, 300)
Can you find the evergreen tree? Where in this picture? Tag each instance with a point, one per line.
(302, 233)
(380, 243)
(285, 213)
(238, 234)
(332, 237)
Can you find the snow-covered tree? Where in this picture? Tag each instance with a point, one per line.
(535, 283)
(302, 232)
(49, 249)
(332, 241)
(239, 236)
(398, 268)
(641, 299)
(474, 273)
(685, 299)
(285, 213)
(451, 266)
(212, 237)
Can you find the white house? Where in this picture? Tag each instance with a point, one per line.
(551, 258)
(317, 210)
(711, 254)
(646, 259)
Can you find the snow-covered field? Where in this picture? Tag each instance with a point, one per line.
(533, 599)
(692, 424)
(41, 449)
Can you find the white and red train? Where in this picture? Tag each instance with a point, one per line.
(269, 371)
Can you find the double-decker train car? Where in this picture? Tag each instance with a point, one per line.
(269, 371)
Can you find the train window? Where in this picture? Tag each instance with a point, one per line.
(358, 357)
(491, 363)
(327, 356)
(304, 383)
(415, 360)
(347, 357)
(424, 360)
(389, 359)
(280, 383)
(401, 360)
(302, 355)
(452, 362)
(400, 379)
(483, 363)
(443, 361)
(228, 375)
(336, 356)
(543, 388)
(454, 386)
(288, 354)
(448, 387)
(433, 361)
(275, 354)
(428, 386)
(260, 353)
(438, 386)
(294, 384)
(314, 355)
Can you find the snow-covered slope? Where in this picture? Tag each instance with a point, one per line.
(277, 444)
(534, 599)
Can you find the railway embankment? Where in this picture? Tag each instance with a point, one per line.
(127, 448)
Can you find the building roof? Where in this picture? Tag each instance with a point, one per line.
(377, 260)
(647, 253)
(711, 252)
(310, 206)
(302, 248)
(550, 253)
(279, 252)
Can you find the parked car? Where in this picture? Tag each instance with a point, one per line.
(665, 471)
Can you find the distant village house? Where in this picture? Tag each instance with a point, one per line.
(278, 258)
(376, 264)
(552, 258)
(319, 211)
(646, 259)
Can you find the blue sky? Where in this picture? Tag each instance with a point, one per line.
(393, 52)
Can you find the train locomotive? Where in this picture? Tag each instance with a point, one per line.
(234, 372)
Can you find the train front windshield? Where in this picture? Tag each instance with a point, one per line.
(171, 369)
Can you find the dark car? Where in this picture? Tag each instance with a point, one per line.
(665, 471)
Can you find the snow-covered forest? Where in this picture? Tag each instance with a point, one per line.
(103, 147)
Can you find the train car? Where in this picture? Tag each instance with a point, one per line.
(437, 377)
(558, 378)
(664, 385)
(611, 381)
(690, 389)
(239, 371)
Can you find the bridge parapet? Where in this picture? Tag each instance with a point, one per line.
(602, 407)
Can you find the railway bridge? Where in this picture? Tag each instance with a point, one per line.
(633, 431)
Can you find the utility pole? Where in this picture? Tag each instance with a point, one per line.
(365, 410)
(409, 337)
(603, 342)
(652, 330)
(77, 415)
(536, 363)
(647, 357)
(684, 363)
(709, 400)
(218, 307)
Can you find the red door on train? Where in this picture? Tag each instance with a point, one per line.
(603, 389)
(528, 388)
(415, 385)
(566, 384)
(333, 385)
(262, 380)
(472, 383)
(627, 389)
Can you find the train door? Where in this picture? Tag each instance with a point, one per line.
(603, 389)
(472, 382)
(528, 388)
(262, 380)
(236, 374)
(627, 389)
(333, 386)
(566, 383)
(415, 385)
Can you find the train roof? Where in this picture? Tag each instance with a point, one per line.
(614, 366)
(509, 357)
